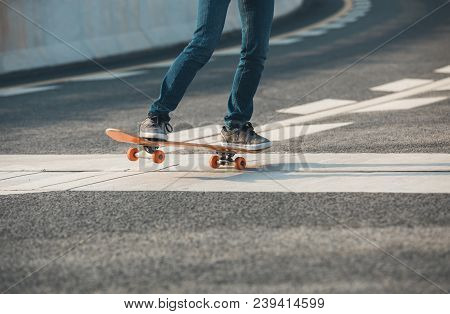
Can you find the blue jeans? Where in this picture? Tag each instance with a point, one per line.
(256, 17)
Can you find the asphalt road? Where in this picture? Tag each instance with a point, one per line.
(185, 242)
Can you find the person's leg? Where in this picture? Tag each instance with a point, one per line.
(256, 17)
(210, 21)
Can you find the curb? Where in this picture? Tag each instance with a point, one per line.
(281, 24)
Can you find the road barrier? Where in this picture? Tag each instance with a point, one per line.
(35, 34)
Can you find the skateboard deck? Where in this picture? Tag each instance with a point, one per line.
(222, 155)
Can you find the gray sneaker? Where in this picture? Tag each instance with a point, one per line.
(244, 137)
(154, 128)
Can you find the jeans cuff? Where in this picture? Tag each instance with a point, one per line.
(234, 124)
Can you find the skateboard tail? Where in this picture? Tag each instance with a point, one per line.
(122, 137)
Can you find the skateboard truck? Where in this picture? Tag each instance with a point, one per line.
(158, 156)
(225, 158)
(221, 158)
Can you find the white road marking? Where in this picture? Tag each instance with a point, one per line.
(13, 91)
(284, 41)
(443, 88)
(358, 13)
(162, 64)
(106, 76)
(296, 131)
(317, 106)
(360, 105)
(400, 85)
(335, 25)
(317, 28)
(228, 52)
(403, 104)
(312, 32)
(389, 173)
(349, 19)
(445, 70)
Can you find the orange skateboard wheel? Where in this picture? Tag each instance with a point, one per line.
(158, 156)
(214, 161)
(240, 163)
(131, 154)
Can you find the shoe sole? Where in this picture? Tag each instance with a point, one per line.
(154, 136)
(249, 147)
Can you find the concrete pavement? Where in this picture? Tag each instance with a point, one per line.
(383, 173)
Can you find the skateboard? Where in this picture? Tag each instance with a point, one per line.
(222, 155)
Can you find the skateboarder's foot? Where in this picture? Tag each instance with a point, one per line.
(244, 137)
(154, 128)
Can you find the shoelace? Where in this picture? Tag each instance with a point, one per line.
(248, 127)
(166, 125)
